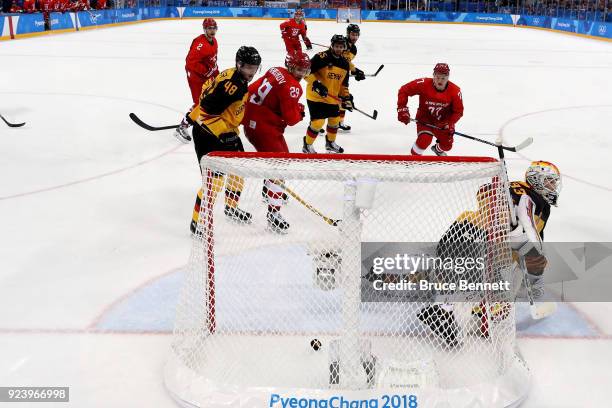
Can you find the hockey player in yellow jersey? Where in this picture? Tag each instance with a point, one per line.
(326, 91)
(216, 119)
(352, 35)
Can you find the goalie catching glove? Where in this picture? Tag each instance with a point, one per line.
(347, 102)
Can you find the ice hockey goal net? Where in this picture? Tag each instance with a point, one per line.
(258, 300)
(348, 15)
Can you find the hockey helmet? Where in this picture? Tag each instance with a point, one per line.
(545, 178)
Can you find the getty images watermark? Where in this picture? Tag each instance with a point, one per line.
(405, 272)
(456, 272)
(420, 272)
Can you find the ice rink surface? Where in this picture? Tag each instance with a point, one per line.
(94, 211)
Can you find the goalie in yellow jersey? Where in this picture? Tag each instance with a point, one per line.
(216, 119)
(532, 200)
(326, 92)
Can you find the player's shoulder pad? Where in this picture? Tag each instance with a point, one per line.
(232, 76)
(472, 217)
(520, 188)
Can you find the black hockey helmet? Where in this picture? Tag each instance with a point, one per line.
(248, 55)
(337, 39)
(352, 28)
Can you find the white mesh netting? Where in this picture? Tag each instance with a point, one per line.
(256, 295)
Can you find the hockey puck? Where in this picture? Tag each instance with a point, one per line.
(315, 344)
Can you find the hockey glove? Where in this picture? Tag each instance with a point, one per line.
(359, 75)
(403, 115)
(302, 110)
(319, 88)
(450, 128)
(347, 102)
(307, 43)
(231, 142)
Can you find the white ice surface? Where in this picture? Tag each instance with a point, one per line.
(93, 207)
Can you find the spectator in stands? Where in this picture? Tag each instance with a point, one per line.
(29, 6)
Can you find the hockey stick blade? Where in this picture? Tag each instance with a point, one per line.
(523, 144)
(542, 310)
(377, 71)
(373, 116)
(330, 221)
(9, 124)
(143, 125)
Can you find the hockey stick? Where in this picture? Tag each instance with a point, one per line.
(330, 221)
(497, 144)
(140, 123)
(374, 74)
(9, 124)
(377, 71)
(373, 116)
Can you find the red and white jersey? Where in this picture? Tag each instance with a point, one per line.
(435, 107)
(274, 99)
(29, 6)
(47, 5)
(202, 58)
(291, 30)
(64, 5)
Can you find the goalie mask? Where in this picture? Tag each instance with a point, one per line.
(545, 178)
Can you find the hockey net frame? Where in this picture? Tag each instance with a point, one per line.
(348, 15)
(212, 360)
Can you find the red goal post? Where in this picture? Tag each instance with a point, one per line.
(254, 299)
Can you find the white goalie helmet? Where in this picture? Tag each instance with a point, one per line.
(545, 178)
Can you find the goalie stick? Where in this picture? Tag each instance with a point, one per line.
(538, 310)
(9, 124)
(497, 143)
(330, 221)
(144, 125)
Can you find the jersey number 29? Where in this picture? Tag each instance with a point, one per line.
(263, 91)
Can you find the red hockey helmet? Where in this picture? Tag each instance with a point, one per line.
(209, 23)
(441, 68)
(299, 14)
(298, 63)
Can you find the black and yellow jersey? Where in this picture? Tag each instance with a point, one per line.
(465, 235)
(221, 106)
(542, 208)
(350, 53)
(333, 72)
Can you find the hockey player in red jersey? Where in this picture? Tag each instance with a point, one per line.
(201, 67)
(440, 105)
(273, 105)
(292, 29)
